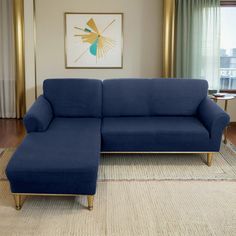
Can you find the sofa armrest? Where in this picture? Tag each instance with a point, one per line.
(213, 117)
(39, 116)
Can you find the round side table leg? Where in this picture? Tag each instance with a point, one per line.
(226, 105)
(225, 135)
(225, 131)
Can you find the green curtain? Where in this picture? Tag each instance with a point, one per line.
(198, 40)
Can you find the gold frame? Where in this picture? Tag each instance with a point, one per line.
(100, 13)
(134, 152)
(209, 154)
(19, 202)
(90, 198)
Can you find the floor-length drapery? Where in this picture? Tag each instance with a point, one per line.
(18, 17)
(7, 61)
(169, 23)
(198, 40)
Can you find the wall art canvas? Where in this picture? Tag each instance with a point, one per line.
(93, 40)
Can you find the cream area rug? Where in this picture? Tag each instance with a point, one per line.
(169, 166)
(130, 208)
(133, 200)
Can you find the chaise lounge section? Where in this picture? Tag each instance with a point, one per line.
(76, 119)
(60, 154)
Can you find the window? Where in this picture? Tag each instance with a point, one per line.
(228, 46)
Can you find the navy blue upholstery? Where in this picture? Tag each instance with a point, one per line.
(63, 157)
(152, 97)
(74, 97)
(75, 119)
(164, 133)
(39, 116)
(214, 119)
(62, 160)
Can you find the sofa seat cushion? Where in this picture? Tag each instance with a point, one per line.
(64, 159)
(154, 134)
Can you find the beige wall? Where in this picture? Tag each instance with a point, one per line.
(142, 38)
(29, 52)
(142, 41)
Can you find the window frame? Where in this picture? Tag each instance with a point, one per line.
(228, 4)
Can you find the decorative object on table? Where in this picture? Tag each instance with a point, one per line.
(93, 40)
(212, 91)
(218, 95)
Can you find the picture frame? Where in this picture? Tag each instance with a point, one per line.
(93, 40)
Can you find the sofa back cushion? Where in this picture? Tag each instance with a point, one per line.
(151, 97)
(74, 97)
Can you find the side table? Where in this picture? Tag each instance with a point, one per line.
(225, 98)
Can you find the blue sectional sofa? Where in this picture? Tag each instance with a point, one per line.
(76, 119)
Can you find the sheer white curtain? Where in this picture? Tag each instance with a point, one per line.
(7, 61)
(198, 40)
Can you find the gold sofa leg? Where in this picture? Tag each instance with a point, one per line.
(90, 202)
(209, 158)
(18, 201)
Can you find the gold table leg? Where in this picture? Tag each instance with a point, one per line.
(209, 158)
(225, 131)
(90, 199)
(226, 105)
(18, 201)
(225, 135)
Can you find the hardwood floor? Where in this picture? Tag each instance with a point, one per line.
(12, 132)
(231, 135)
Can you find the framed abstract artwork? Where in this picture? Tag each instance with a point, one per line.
(93, 40)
